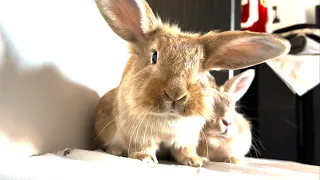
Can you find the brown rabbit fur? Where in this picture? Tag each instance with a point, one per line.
(227, 137)
(166, 91)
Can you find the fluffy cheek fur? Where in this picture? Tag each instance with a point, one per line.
(199, 102)
(137, 99)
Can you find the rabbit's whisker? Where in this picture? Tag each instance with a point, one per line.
(226, 148)
(208, 121)
(132, 137)
(258, 141)
(106, 107)
(118, 129)
(104, 128)
(138, 139)
(254, 144)
(145, 130)
(205, 138)
(151, 129)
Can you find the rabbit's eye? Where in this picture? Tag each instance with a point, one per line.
(154, 57)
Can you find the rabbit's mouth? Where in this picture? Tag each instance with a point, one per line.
(171, 110)
(170, 113)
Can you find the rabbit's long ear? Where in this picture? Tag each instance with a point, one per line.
(238, 85)
(129, 19)
(232, 50)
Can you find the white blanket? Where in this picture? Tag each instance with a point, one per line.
(82, 164)
(299, 72)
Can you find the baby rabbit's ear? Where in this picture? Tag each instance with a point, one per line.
(231, 50)
(238, 85)
(129, 19)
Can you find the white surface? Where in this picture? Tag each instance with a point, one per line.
(80, 164)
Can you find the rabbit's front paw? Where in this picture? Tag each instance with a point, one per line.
(186, 155)
(143, 157)
(194, 161)
(233, 160)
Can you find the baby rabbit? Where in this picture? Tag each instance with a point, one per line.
(227, 137)
(165, 94)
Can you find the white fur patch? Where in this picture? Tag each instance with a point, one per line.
(188, 130)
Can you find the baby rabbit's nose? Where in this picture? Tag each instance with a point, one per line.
(225, 122)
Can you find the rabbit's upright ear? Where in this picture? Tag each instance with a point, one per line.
(129, 19)
(238, 85)
(231, 50)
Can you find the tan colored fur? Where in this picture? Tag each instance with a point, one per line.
(139, 114)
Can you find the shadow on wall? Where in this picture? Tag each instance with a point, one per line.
(40, 110)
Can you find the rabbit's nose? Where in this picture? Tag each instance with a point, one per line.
(176, 90)
(176, 96)
(226, 123)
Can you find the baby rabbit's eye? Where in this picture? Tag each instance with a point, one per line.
(154, 57)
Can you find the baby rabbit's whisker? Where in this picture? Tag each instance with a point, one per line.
(255, 129)
(255, 150)
(255, 143)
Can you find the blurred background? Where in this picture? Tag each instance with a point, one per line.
(57, 57)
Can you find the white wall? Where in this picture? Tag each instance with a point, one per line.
(293, 12)
(68, 33)
(68, 57)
